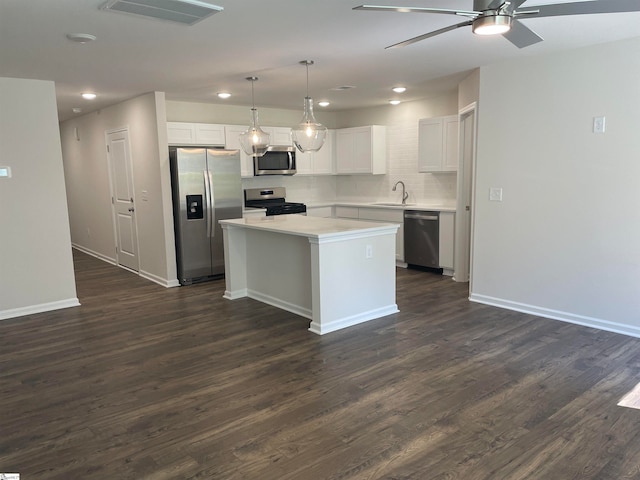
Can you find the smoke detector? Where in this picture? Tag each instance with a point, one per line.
(186, 12)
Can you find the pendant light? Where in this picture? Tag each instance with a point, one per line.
(254, 141)
(309, 134)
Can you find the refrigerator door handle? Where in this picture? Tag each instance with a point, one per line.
(207, 199)
(212, 209)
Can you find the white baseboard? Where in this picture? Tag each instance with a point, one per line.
(232, 295)
(568, 317)
(159, 280)
(40, 308)
(149, 276)
(276, 302)
(326, 327)
(97, 255)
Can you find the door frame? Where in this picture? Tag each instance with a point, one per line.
(112, 192)
(464, 237)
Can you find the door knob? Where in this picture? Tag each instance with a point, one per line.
(132, 209)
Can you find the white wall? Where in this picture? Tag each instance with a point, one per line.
(86, 169)
(36, 265)
(565, 241)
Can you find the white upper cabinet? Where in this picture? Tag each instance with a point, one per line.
(181, 133)
(232, 142)
(361, 150)
(438, 144)
(278, 135)
(321, 162)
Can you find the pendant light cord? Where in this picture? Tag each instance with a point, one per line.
(253, 100)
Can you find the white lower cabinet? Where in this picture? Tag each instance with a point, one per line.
(446, 241)
(257, 213)
(388, 216)
(326, 212)
(372, 214)
(446, 230)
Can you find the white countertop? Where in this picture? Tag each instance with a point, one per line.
(312, 227)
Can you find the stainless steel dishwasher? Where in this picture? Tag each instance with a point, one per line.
(421, 238)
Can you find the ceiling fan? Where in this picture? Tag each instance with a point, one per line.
(492, 17)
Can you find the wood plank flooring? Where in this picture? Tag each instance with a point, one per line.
(143, 382)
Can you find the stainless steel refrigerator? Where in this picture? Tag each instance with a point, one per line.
(206, 188)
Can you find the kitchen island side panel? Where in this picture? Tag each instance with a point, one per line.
(354, 281)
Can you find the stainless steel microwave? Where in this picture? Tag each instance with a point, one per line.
(278, 160)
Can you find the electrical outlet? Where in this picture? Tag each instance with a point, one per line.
(495, 194)
(598, 124)
(369, 251)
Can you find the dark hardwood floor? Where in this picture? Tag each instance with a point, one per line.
(143, 382)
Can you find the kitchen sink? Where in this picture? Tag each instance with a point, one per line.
(394, 204)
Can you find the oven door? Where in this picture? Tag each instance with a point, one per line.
(276, 161)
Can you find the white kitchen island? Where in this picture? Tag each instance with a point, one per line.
(336, 272)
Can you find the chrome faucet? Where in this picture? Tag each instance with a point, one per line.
(405, 195)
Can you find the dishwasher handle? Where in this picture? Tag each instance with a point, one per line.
(420, 216)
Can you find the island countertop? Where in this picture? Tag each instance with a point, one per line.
(312, 227)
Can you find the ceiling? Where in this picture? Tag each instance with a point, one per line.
(267, 39)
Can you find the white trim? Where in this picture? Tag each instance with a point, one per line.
(156, 279)
(327, 327)
(232, 295)
(97, 255)
(40, 308)
(276, 302)
(462, 229)
(568, 317)
(146, 275)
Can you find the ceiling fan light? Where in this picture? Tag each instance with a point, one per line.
(492, 25)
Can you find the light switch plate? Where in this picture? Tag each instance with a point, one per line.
(495, 194)
(5, 172)
(599, 124)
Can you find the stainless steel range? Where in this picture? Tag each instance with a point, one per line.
(273, 199)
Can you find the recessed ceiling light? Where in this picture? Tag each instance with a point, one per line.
(224, 94)
(399, 89)
(76, 110)
(323, 104)
(81, 37)
(394, 102)
(89, 96)
(344, 87)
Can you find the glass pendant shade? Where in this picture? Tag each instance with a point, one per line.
(309, 134)
(254, 141)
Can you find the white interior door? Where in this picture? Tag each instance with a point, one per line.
(122, 195)
(464, 207)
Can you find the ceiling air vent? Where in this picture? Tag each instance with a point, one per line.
(186, 12)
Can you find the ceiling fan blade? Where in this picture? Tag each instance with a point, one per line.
(429, 35)
(585, 8)
(521, 35)
(385, 8)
